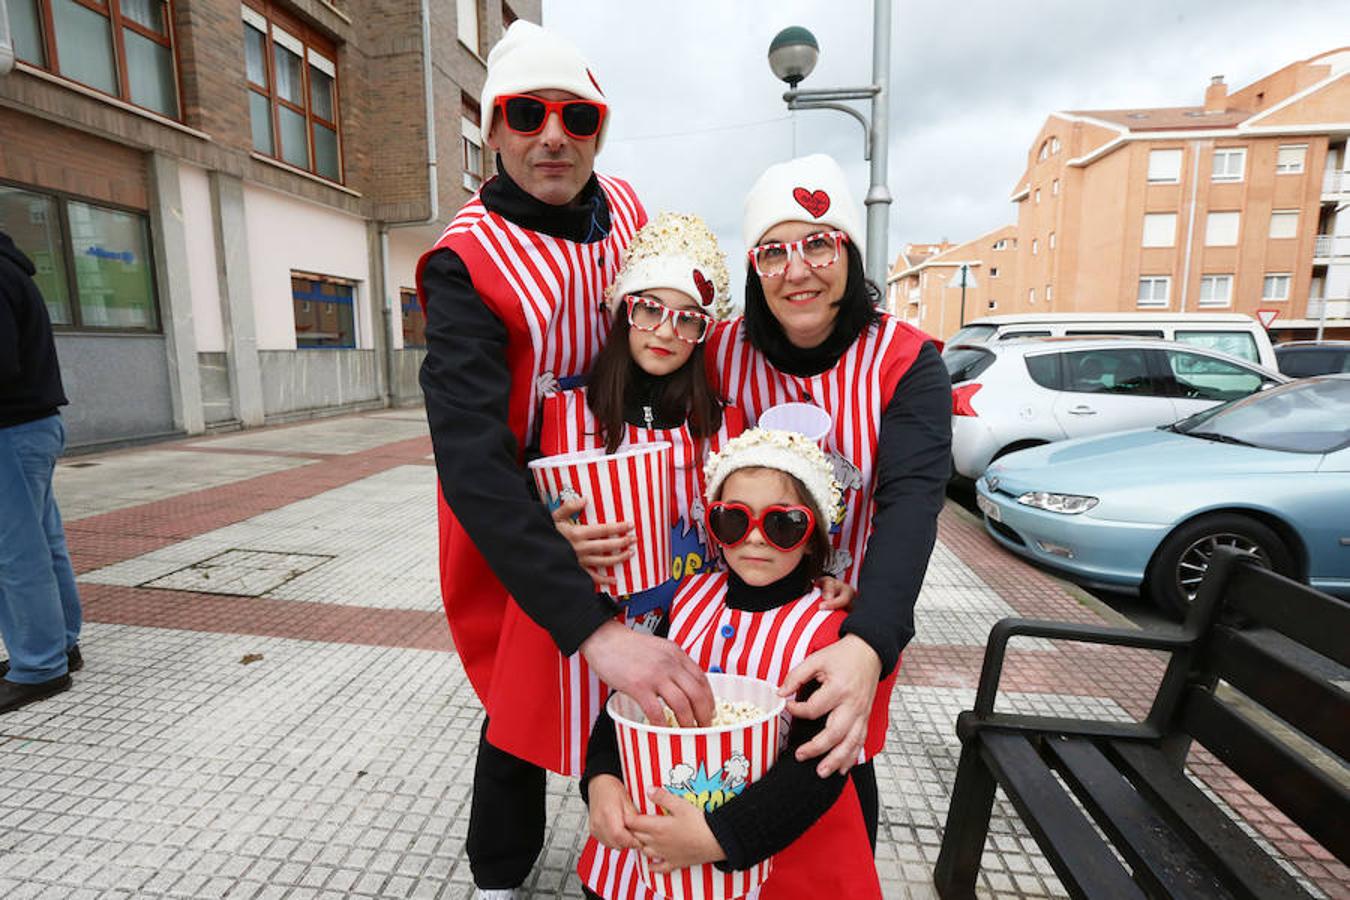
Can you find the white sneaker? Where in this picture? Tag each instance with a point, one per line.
(507, 894)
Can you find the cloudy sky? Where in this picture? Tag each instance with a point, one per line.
(697, 114)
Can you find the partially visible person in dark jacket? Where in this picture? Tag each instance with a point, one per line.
(39, 606)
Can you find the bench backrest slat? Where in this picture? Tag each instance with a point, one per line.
(1251, 661)
(1316, 620)
(1311, 798)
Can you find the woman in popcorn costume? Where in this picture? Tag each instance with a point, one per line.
(767, 492)
(812, 332)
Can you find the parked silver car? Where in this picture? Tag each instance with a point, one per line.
(1017, 394)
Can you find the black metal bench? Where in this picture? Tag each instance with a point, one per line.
(1252, 629)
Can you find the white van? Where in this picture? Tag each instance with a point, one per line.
(1231, 333)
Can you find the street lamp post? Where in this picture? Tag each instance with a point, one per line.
(792, 56)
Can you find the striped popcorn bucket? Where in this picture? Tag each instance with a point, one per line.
(707, 767)
(632, 484)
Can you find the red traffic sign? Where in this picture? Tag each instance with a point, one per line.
(1267, 317)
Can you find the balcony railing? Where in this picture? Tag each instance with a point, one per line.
(1331, 245)
(1335, 181)
(1336, 308)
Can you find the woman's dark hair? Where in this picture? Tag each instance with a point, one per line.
(819, 550)
(683, 394)
(859, 308)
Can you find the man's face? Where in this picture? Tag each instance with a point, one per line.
(551, 166)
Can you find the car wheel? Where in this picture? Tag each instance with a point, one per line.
(1183, 558)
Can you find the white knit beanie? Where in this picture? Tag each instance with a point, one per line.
(786, 451)
(530, 58)
(806, 189)
(676, 251)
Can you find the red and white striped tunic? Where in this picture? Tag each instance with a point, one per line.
(855, 391)
(548, 292)
(834, 857)
(551, 726)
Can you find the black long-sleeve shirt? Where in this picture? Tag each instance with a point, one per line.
(467, 384)
(30, 377)
(777, 809)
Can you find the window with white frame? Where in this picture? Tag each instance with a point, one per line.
(1052, 240)
(1035, 246)
(1229, 163)
(1289, 158)
(1031, 296)
(471, 140)
(469, 27)
(1000, 245)
(1154, 290)
(1038, 196)
(1164, 166)
(1275, 286)
(1160, 229)
(1045, 151)
(1054, 188)
(1054, 145)
(993, 271)
(292, 91)
(1284, 223)
(1049, 293)
(1216, 290)
(1221, 229)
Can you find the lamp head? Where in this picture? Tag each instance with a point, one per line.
(792, 54)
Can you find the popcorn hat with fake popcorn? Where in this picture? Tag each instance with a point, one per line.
(786, 451)
(677, 251)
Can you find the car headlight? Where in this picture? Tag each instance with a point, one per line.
(1068, 504)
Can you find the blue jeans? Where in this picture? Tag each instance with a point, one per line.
(39, 606)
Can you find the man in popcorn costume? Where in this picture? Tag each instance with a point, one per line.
(513, 294)
(767, 493)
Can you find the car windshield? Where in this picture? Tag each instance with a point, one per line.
(973, 334)
(1308, 417)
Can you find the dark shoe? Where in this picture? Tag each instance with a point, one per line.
(13, 695)
(74, 662)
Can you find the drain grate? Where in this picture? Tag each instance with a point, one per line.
(240, 572)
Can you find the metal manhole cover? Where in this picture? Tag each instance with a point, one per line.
(244, 573)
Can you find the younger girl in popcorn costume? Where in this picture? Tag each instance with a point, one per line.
(648, 384)
(768, 493)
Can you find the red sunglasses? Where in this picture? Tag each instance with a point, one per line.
(784, 527)
(525, 114)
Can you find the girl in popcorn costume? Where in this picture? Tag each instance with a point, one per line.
(768, 492)
(648, 384)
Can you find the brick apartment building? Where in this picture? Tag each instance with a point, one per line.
(923, 287)
(226, 200)
(1239, 204)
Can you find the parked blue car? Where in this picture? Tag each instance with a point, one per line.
(1144, 510)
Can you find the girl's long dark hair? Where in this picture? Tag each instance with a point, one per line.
(859, 308)
(684, 394)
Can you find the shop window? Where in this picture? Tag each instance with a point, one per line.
(414, 320)
(93, 262)
(292, 91)
(123, 48)
(324, 312)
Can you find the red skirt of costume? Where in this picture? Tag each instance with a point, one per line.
(831, 859)
(549, 721)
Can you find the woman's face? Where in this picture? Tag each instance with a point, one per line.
(755, 560)
(660, 352)
(804, 300)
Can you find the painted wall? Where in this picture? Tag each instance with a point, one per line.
(406, 246)
(118, 387)
(199, 226)
(285, 234)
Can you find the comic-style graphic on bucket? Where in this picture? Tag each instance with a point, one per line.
(633, 484)
(706, 766)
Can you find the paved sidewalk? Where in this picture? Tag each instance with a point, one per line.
(271, 706)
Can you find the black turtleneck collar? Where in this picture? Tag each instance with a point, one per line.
(748, 598)
(584, 220)
(645, 393)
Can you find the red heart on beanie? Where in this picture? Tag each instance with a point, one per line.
(705, 288)
(817, 204)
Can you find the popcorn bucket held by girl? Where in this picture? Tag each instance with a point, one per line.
(633, 484)
(705, 766)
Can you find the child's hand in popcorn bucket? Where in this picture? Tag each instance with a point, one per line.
(678, 839)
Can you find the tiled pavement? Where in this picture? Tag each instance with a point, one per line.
(271, 706)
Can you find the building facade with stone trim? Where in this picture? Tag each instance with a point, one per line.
(225, 200)
(1236, 205)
